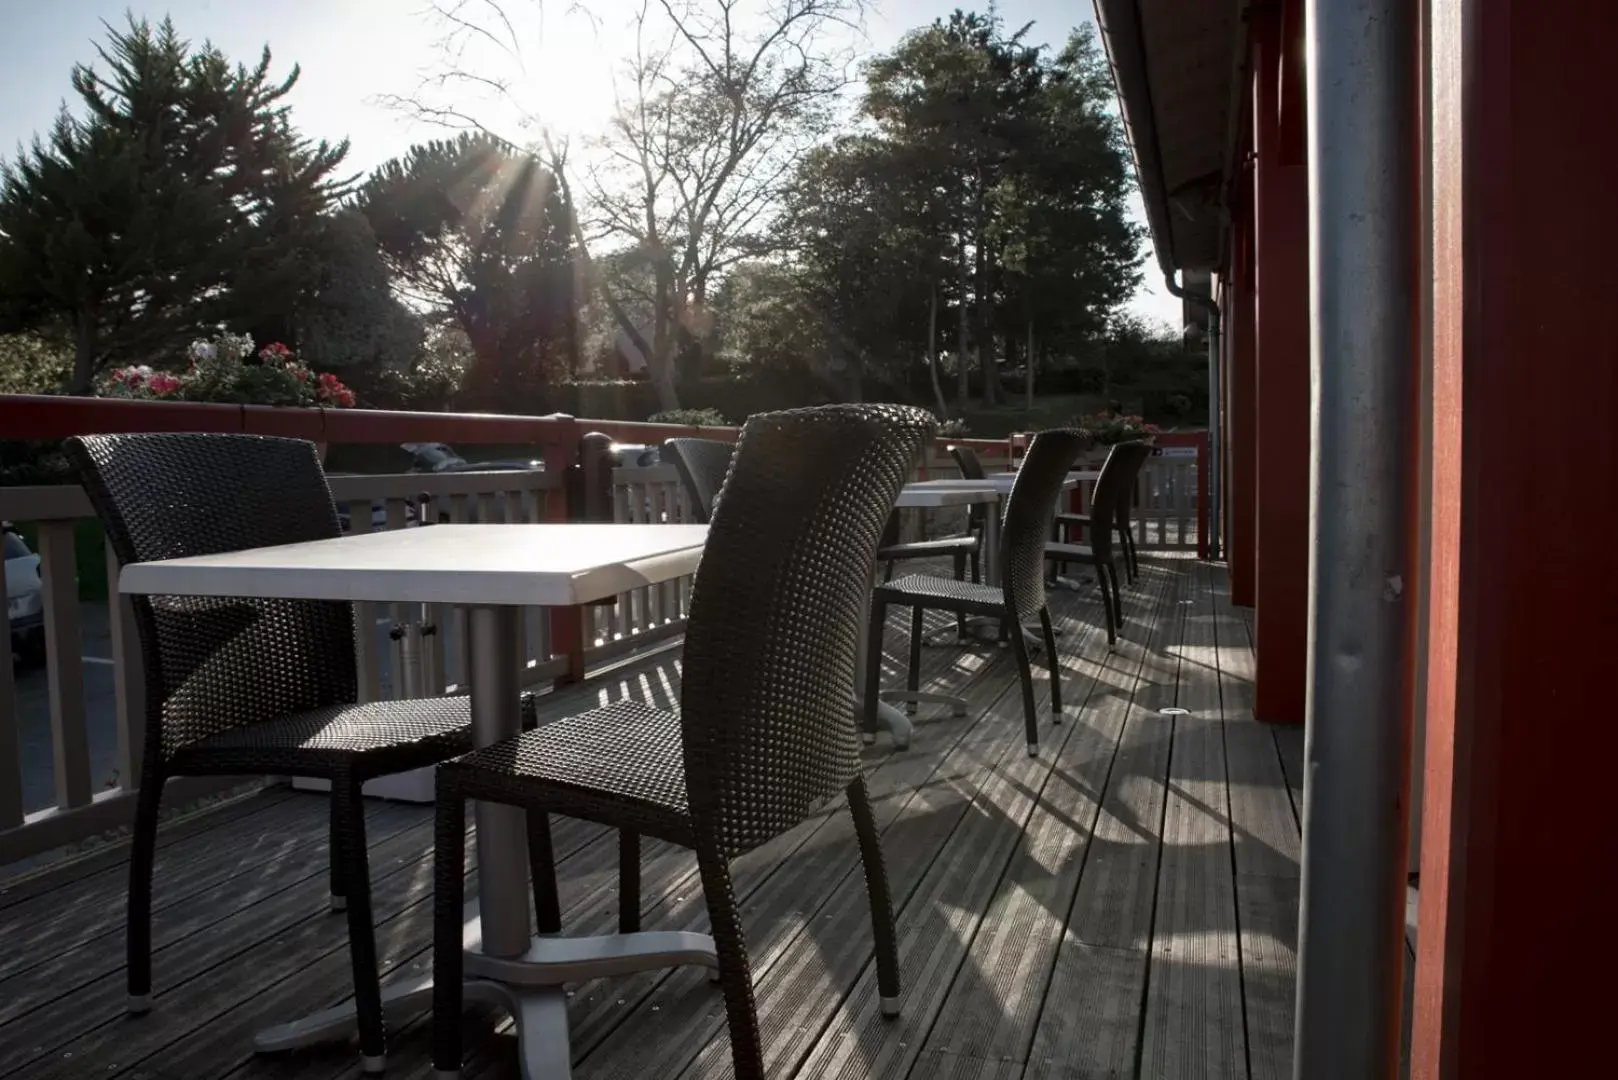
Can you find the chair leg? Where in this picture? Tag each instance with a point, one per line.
(873, 666)
(628, 881)
(542, 873)
(138, 931)
(876, 886)
(1117, 594)
(913, 676)
(345, 789)
(735, 972)
(449, 889)
(887, 573)
(1019, 647)
(1106, 603)
(960, 575)
(1053, 662)
(977, 568)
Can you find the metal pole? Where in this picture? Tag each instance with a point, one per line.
(1361, 94)
(1215, 454)
(502, 830)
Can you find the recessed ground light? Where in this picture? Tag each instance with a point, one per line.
(1174, 710)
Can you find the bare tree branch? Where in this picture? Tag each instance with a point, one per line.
(715, 103)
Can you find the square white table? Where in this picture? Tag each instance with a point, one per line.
(493, 571)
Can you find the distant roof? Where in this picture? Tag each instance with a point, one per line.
(1174, 63)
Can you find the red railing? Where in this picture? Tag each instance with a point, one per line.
(57, 417)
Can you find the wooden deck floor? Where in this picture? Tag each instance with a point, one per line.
(1123, 905)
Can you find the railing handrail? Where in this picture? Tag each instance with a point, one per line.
(59, 416)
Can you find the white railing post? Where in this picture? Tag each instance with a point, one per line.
(64, 664)
(10, 730)
(129, 679)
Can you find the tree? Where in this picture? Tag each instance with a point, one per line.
(1070, 255)
(1015, 164)
(353, 324)
(870, 248)
(32, 365)
(716, 103)
(178, 199)
(958, 93)
(481, 234)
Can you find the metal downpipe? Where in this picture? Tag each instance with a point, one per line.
(1215, 472)
(1361, 108)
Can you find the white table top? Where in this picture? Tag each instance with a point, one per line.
(996, 483)
(934, 494)
(1074, 478)
(556, 565)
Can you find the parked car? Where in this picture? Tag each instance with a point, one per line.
(439, 457)
(25, 597)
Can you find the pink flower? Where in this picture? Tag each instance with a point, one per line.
(273, 352)
(164, 383)
(328, 381)
(345, 398)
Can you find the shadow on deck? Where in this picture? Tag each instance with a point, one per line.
(1123, 905)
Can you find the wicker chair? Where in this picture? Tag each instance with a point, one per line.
(967, 460)
(1021, 593)
(1113, 486)
(702, 465)
(1121, 523)
(256, 687)
(766, 730)
(962, 551)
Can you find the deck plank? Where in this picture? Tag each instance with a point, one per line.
(1267, 852)
(1090, 1023)
(936, 925)
(64, 971)
(192, 863)
(112, 856)
(997, 1000)
(1193, 1027)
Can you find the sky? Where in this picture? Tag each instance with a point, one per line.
(353, 52)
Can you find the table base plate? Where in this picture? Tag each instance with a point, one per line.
(529, 987)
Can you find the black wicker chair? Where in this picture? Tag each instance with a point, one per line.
(1121, 523)
(1021, 593)
(962, 551)
(256, 687)
(967, 460)
(1113, 486)
(702, 465)
(766, 730)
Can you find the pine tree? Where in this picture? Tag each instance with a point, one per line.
(480, 233)
(176, 199)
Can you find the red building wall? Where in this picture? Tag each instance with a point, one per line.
(1281, 582)
(1519, 877)
(1241, 429)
